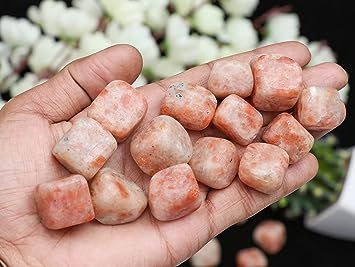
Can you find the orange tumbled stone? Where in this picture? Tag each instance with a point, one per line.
(251, 257)
(115, 199)
(263, 167)
(320, 109)
(214, 161)
(192, 105)
(287, 133)
(230, 77)
(174, 193)
(119, 108)
(278, 82)
(161, 143)
(270, 235)
(85, 148)
(65, 202)
(238, 119)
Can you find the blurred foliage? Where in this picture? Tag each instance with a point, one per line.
(325, 188)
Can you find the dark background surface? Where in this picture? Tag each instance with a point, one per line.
(320, 20)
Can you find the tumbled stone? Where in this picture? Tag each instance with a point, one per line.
(85, 148)
(270, 235)
(320, 109)
(208, 256)
(251, 257)
(64, 202)
(119, 108)
(278, 82)
(192, 105)
(263, 167)
(160, 144)
(115, 199)
(238, 119)
(174, 193)
(214, 161)
(286, 132)
(230, 77)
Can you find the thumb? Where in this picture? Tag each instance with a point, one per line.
(74, 87)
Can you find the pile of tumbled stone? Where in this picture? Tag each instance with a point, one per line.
(265, 114)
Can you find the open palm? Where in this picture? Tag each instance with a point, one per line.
(31, 124)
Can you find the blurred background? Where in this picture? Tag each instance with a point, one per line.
(177, 34)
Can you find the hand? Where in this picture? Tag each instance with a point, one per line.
(33, 122)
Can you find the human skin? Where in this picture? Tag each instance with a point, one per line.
(33, 122)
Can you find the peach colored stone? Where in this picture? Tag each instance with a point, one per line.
(85, 148)
(65, 202)
(192, 105)
(115, 199)
(320, 109)
(160, 144)
(251, 257)
(230, 77)
(119, 108)
(214, 162)
(263, 167)
(278, 82)
(174, 193)
(238, 119)
(286, 132)
(270, 235)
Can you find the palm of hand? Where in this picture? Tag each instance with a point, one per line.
(30, 126)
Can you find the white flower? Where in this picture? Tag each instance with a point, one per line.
(226, 51)
(141, 80)
(240, 8)
(166, 67)
(58, 20)
(4, 50)
(156, 18)
(5, 70)
(208, 19)
(18, 32)
(93, 42)
(92, 7)
(207, 49)
(27, 82)
(240, 33)
(125, 12)
(184, 7)
(47, 54)
(113, 30)
(320, 53)
(283, 27)
(209, 255)
(140, 37)
(344, 93)
(19, 54)
(182, 48)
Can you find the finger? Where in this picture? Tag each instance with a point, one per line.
(238, 202)
(73, 88)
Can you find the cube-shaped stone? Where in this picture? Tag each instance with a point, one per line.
(64, 202)
(115, 199)
(270, 235)
(278, 82)
(263, 167)
(320, 109)
(161, 143)
(85, 148)
(287, 133)
(192, 105)
(174, 193)
(215, 162)
(231, 77)
(238, 119)
(251, 257)
(119, 108)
